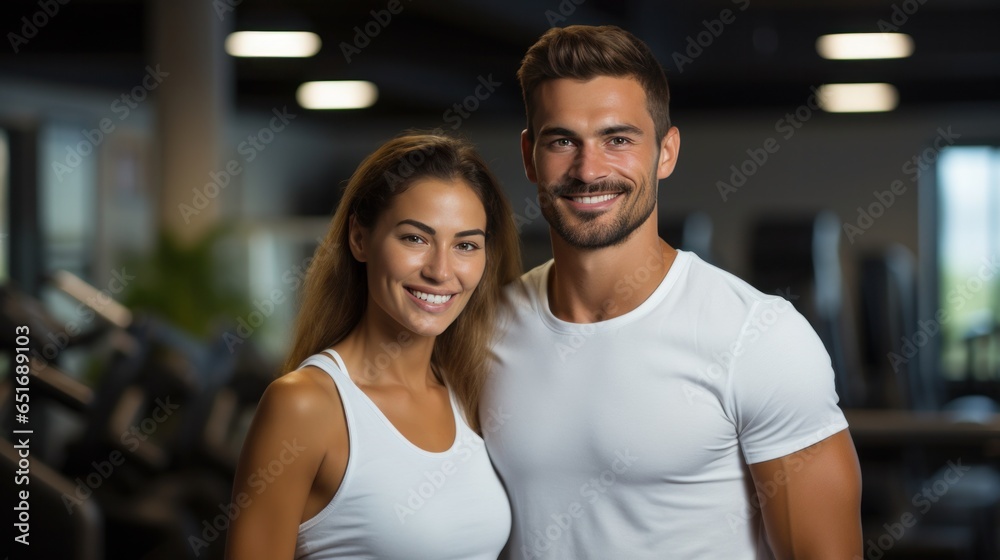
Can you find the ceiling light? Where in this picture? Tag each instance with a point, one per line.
(283, 44)
(857, 98)
(856, 46)
(337, 95)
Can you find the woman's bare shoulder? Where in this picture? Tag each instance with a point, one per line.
(306, 394)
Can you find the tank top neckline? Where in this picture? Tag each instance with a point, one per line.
(342, 369)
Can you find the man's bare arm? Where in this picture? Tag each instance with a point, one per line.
(811, 500)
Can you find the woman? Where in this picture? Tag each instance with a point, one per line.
(368, 449)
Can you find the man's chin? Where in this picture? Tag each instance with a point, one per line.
(592, 240)
(589, 233)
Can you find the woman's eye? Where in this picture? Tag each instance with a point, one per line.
(412, 239)
(467, 246)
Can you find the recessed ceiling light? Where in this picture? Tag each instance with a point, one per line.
(858, 46)
(281, 44)
(337, 95)
(857, 98)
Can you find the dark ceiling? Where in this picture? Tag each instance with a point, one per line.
(431, 53)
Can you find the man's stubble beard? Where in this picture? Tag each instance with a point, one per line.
(588, 236)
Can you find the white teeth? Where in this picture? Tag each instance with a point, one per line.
(595, 199)
(431, 298)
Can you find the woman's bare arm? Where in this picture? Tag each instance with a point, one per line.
(285, 446)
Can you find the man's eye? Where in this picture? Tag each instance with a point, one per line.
(619, 141)
(562, 142)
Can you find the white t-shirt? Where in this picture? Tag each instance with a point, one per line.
(629, 438)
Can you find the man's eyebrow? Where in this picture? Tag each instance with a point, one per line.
(606, 131)
(557, 131)
(620, 129)
(431, 231)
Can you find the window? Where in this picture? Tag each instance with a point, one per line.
(968, 262)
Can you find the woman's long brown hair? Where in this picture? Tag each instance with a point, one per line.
(335, 292)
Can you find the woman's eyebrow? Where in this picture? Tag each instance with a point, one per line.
(419, 225)
(431, 231)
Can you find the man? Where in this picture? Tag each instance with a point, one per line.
(645, 404)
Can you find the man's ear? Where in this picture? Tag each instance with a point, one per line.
(528, 156)
(670, 147)
(357, 237)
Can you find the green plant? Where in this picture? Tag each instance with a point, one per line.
(179, 282)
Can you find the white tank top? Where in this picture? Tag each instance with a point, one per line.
(400, 501)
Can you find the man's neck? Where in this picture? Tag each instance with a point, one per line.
(597, 285)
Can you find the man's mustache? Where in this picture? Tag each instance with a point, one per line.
(574, 187)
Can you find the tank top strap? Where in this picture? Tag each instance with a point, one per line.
(331, 362)
(462, 425)
(336, 357)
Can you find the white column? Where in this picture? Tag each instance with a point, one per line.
(192, 102)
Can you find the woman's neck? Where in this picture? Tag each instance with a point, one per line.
(381, 352)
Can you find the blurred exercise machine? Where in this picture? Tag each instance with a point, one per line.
(142, 454)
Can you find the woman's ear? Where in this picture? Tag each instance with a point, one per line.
(358, 238)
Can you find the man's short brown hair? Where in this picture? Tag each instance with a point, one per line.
(583, 52)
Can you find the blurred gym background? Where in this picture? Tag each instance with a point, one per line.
(165, 176)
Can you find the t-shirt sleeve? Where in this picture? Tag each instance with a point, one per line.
(781, 384)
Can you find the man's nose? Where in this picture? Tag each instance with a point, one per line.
(590, 164)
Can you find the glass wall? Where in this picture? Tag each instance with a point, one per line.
(969, 259)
